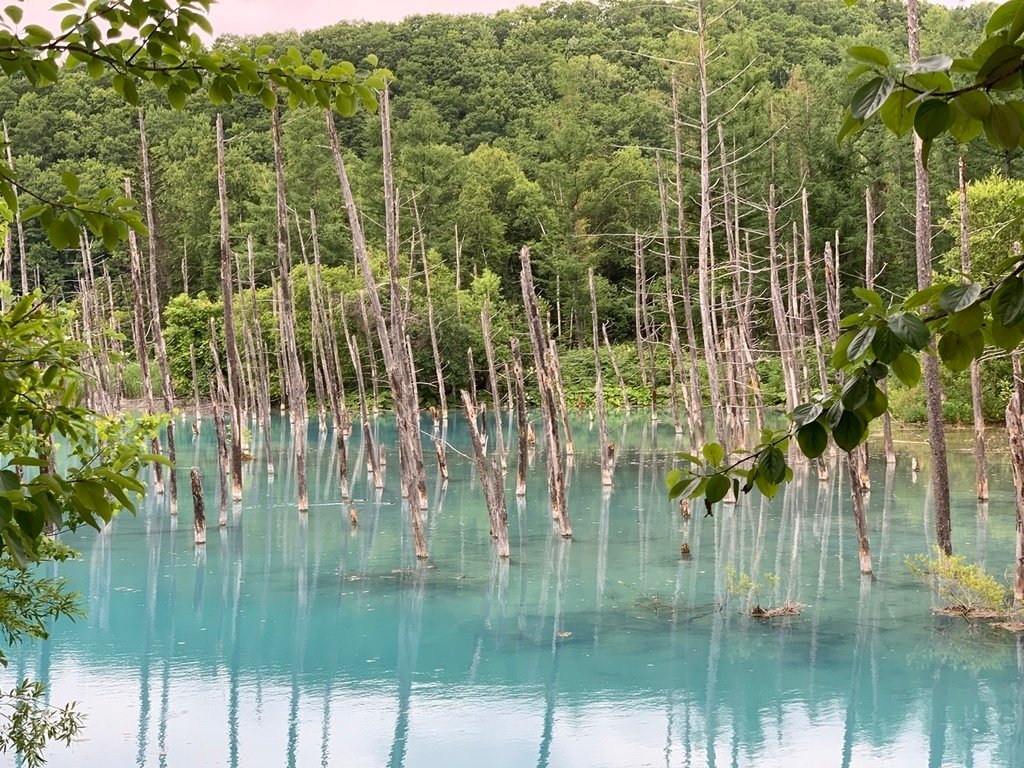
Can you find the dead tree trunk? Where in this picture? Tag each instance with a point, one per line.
(392, 340)
(696, 415)
(198, 507)
(675, 351)
(1015, 429)
(607, 467)
(364, 413)
(442, 394)
(779, 308)
(932, 382)
(869, 282)
(556, 472)
(262, 364)
(981, 477)
(705, 276)
(139, 328)
(217, 396)
(615, 367)
(230, 345)
(492, 372)
(294, 378)
(855, 461)
(19, 226)
(492, 480)
(522, 427)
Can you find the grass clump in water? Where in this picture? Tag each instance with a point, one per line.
(749, 589)
(965, 589)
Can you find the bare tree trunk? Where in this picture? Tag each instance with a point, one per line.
(869, 282)
(262, 363)
(230, 346)
(392, 340)
(981, 477)
(858, 493)
(615, 367)
(638, 295)
(295, 380)
(139, 328)
(195, 389)
(19, 226)
(364, 414)
(491, 478)
(1015, 428)
(556, 473)
(607, 465)
(492, 371)
(675, 352)
(217, 395)
(198, 507)
(442, 394)
(696, 416)
(932, 382)
(705, 276)
(522, 427)
(779, 308)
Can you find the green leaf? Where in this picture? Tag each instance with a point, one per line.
(870, 97)
(869, 297)
(714, 453)
(717, 488)
(806, 413)
(177, 97)
(772, 465)
(932, 119)
(974, 103)
(899, 110)
(766, 486)
(937, 63)
(857, 392)
(850, 430)
(955, 298)
(910, 329)
(1007, 338)
(924, 296)
(812, 439)
(1002, 68)
(876, 405)
(1003, 127)
(861, 343)
(839, 353)
(1008, 301)
(869, 55)
(851, 126)
(14, 13)
(886, 345)
(1002, 16)
(955, 351)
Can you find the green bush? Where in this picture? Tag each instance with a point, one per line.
(961, 586)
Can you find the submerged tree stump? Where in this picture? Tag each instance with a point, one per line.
(198, 506)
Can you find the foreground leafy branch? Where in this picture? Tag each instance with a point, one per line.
(879, 341)
(156, 44)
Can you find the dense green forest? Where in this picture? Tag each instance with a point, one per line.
(542, 127)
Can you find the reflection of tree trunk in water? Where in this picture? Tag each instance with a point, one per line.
(850, 722)
(199, 591)
(823, 517)
(169, 649)
(236, 642)
(883, 548)
(940, 704)
(410, 622)
(551, 686)
(714, 649)
(301, 624)
(602, 559)
(1017, 744)
(147, 636)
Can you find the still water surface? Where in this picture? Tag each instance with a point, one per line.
(294, 641)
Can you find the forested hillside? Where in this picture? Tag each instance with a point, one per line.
(540, 127)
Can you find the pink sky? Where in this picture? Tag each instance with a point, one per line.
(244, 17)
(253, 16)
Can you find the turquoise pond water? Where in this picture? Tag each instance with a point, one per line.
(294, 641)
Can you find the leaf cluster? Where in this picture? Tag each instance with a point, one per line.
(940, 95)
